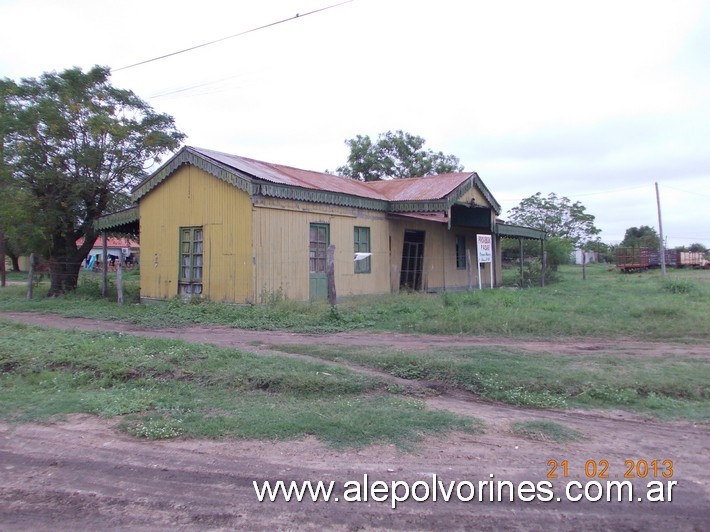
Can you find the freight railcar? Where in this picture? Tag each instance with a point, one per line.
(635, 259)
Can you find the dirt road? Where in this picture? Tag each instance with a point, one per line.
(83, 474)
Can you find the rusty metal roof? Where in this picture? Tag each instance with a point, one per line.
(420, 188)
(286, 175)
(417, 194)
(411, 189)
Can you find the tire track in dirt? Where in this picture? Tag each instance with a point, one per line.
(85, 474)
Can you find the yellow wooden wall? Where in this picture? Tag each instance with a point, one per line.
(192, 197)
(255, 248)
(439, 265)
(281, 248)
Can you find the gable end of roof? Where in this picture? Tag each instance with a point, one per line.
(486, 193)
(188, 156)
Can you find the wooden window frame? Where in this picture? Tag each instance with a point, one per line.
(364, 265)
(191, 262)
(460, 252)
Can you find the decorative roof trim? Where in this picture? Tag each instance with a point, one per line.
(320, 196)
(187, 156)
(117, 219)
(419, 206)
(518, 231)
(486, 193)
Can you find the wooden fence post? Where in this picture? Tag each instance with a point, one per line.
(30, 276)
(104, 270)
(119, 277)
(2, 257)
(469, 270)
(330, 272)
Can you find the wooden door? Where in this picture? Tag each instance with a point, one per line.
(318, 248)
(412, 261)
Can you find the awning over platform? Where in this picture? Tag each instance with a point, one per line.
(125, 222)
(518, 231)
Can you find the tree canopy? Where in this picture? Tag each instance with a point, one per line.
(73, 146)
(394, 155)
(557, 216)
(644, 237)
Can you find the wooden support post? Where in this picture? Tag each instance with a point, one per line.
(2, 258)
(330, 272)
(119, 278)
(522, 263)
(493, 260)
(30, 276)
(469, 269)
(543, 267)
(660, 234)
(104, 258)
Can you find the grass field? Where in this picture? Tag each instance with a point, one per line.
(164, 389)
(669, 387)
(607, 305)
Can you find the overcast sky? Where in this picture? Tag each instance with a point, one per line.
(595, 101)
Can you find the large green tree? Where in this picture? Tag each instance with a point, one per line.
(394, 155)
(76, 144)
(558, 216)
(643, 236)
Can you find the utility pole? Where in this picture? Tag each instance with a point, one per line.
(660, 234)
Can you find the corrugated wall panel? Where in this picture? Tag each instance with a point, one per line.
(439, 265)
(191, 197)
(281, 248)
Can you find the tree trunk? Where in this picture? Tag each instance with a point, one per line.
(65, 262)
(15, 261)
(64, 273)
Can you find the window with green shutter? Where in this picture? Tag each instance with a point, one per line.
(362, 245)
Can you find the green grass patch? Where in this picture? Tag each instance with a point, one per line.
(546, 431)
(165, 389)
(662, 386)
(607, 304)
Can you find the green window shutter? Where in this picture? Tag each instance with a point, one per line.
(362, 245)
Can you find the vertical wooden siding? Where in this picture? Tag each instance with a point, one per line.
(281, 237)
(192, 197)
(439, 268)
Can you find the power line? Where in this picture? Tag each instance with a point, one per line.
(685, 191)
(597, 193)
(298, 15)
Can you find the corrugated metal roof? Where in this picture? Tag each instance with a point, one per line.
(286, 175)
(412, 189)
(421, 188)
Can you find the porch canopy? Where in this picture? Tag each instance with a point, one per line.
(124, 222)
(523, 233)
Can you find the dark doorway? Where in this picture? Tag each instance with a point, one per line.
(412, 261)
